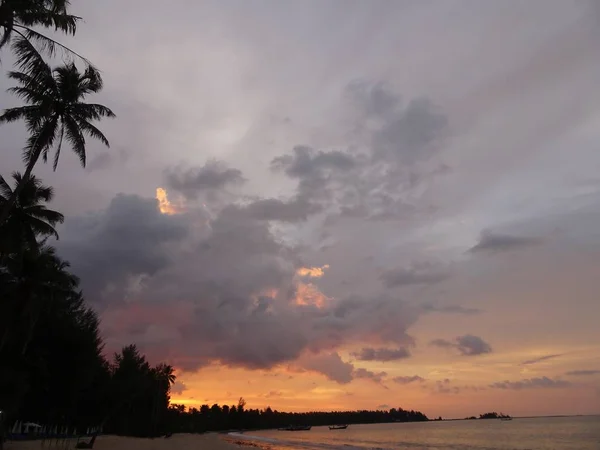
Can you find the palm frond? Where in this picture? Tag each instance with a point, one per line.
(45, 214)
(60, 21)
(13, 114)
(94, 132)
(5, 189)
(41, 227)
(41, 140)
(92, 111)
(75, 138)
(49, 45)
(30, 61)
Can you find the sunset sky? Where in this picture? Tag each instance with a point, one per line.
(324, 205)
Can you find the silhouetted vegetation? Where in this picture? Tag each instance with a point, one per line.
(494, 415)
(218, 418)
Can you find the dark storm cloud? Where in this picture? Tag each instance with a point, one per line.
(490, 242)
(127, 239)
(531, 383)
(408, 379)
(467, 345)
(418, 274)
(214, 175)
(195, 290)
(381, 354)
(540, 359)
(582, 373)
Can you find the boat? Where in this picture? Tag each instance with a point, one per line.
(296, 428)
(506, 418)
(338, 427)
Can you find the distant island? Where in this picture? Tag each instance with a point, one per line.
(490, 415)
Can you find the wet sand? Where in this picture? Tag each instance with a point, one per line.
(209, 441)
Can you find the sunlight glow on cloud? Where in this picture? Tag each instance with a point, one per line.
(309, 294)
(165, 206)
(312, 272)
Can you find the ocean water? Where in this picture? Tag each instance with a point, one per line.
(554, 433)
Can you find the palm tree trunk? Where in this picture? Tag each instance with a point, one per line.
(15, 194)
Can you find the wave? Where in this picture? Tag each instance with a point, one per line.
(280, 443)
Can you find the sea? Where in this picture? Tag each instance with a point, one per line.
(548, 433)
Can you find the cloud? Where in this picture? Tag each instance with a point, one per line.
(467, 345)
(178, 388)
(373, 177)
(540, 359)
(199, 287)
(381, 354)
(492, 243)
(312, 272)
(418, 274)
(582, 373)
(408, 379)
(451, 309)
(329, 364)
(213, 176)
(531, 383)
(127, 240)
(383, 407)
(365, 374)
(295, 210)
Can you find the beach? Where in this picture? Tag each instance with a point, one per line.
(209, 441)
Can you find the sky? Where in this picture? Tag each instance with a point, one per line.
(324, 205)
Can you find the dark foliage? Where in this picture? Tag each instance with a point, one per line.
(219, 418)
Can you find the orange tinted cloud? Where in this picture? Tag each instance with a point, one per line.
(164, 205)
(312, 272)
(309, 294)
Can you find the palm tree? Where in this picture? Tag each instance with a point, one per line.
(55, 110)
(19, 16)
(32, 279)
(29, 219)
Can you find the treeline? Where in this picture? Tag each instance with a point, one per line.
(236, 417)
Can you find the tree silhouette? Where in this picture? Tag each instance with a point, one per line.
(30, 219)
(54, 111)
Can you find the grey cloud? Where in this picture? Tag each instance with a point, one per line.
(214, 175)
(306, 162)
(381, 354)
(467, 345)
(128, 239)
(372, 177)
(451, 309)
(178, 387)
(531, 383)
(417, 274)
(582, 373)
(331, 365)
(540, 359)
(198, 289)
(295, 210)
(376, 377)
(492, 242)
(408, 379)
(106, 159)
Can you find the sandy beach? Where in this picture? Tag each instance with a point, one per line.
(210, 441)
